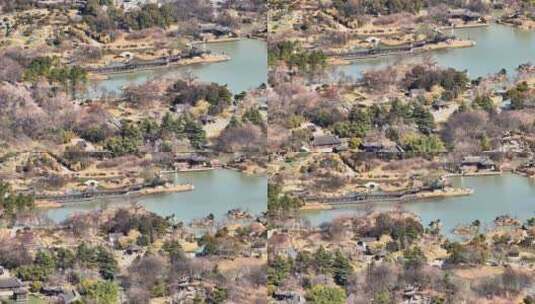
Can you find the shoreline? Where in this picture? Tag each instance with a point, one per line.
(51, 204)
(204, 169)
(166, 189)
(96, 76)
(463, 26)
(204, 60)
(522, 24)
(213, 41)
(315, 206)
(523, 174)
(455, 44)
(246, 172)
(489, 173)
(47, 204)
(448, 192)
(436, 194)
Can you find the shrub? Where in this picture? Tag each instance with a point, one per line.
(321, 294)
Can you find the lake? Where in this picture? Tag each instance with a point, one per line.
(497, 46)
(246, 69)
(215, 192)
(496, 195)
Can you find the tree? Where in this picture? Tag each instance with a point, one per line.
(170, 125)
(143, 95)
(381, 79)
(519, 95)
(234, 122)
(186, 92)
(422, 77)
(380, 277)
(174, 250)
(323, 261)
(485, 143)
(86, 255)
(414, 258)
(137, 295)
(45, 259)
(342, 269)
(422, 143)
(11, 203)
(383, 297)
(76, 76)
(210, 245)
(195, 133)
(321, 294)
(278, 203)
(11, 70)
(65, 258)
(246, 138)
(97, 257)
(14, 254)
(360, 122)
(423, 119)
(484, 102)
(150, 15)
(278, 270)
(128, 141)
(51, 68)
(474, 253)
(120, 146)
(219, 295)
(33, 273)
(148, 273)
(253, 116)
(108, 266)
(99, 292)
(291, 53)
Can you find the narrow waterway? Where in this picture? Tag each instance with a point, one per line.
(215, 192)
(497, 46)
(246, 69)
(507, 194)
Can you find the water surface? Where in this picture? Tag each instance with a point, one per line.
(215, 192)
(246, 69)
(497, 46)
(493, 196)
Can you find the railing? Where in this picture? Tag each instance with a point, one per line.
(385, 51)
(163, 61)
(366, 197)
(76, 197)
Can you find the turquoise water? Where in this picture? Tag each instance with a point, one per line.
(246, 69)
(493, 196)
(215, 192)
(497, 46)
